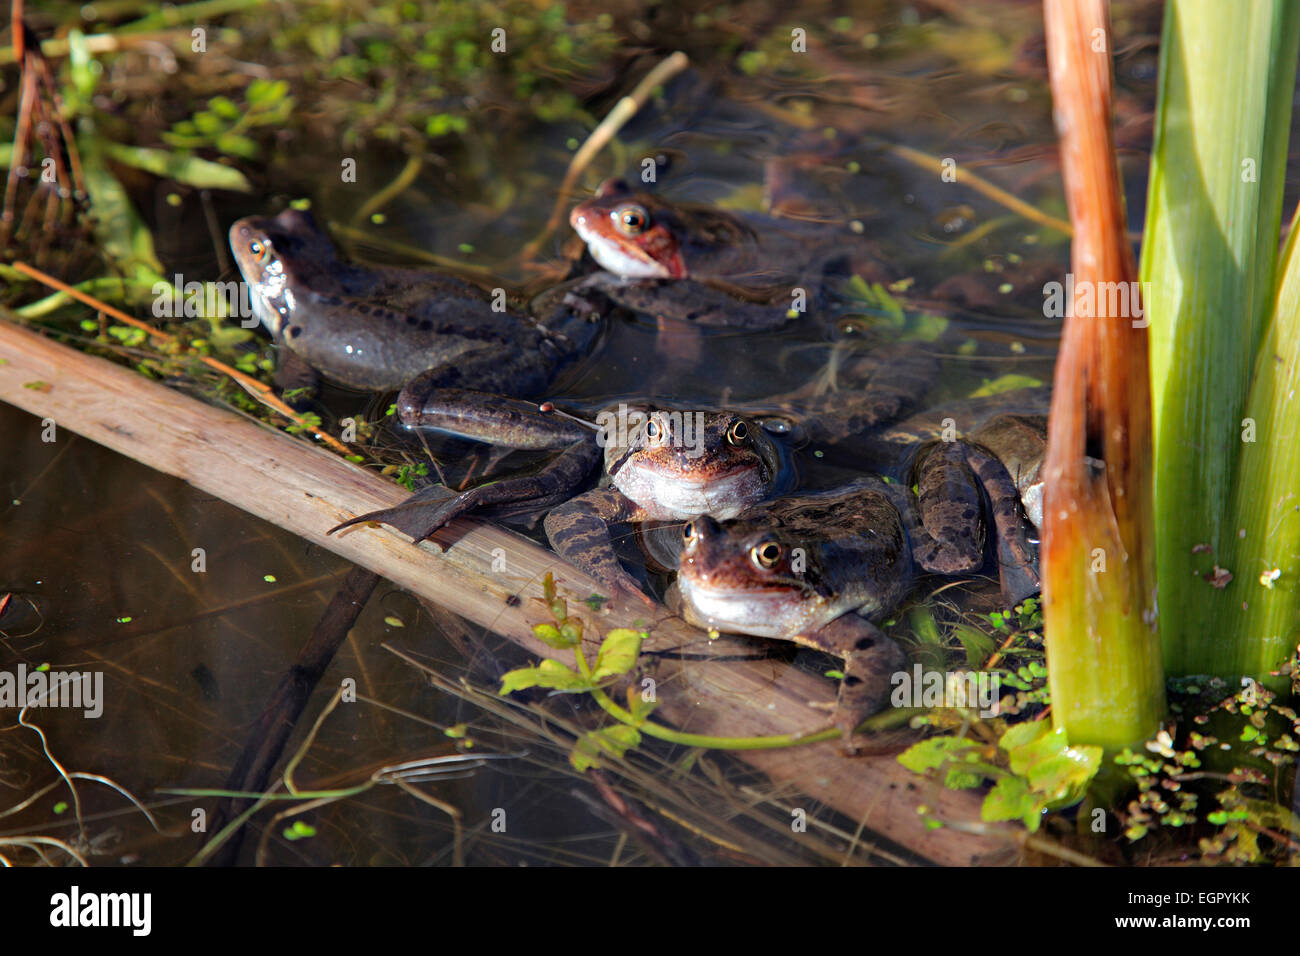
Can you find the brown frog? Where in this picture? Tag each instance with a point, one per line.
(381, 328)
(820, 569)
(705, 265)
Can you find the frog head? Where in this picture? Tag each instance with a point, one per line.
(749, 577)
(279, 256)
(629, 234)
(678, 464)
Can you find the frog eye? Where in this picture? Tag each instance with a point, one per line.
(631, 219)
(765, 554)
(738, 433)
(688, 534)
(656, 433)
(260, 250)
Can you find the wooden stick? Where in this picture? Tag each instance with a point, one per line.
(257, 389)
(307, 490)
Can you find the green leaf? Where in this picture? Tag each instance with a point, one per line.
(618, 653)
(299, 830)
(958, 778)
(979, 646)
(614, 741)
(121, 233)
(548, 673)
(1018, 735)
(190, 170)
(1210, 265)
(83, 75)
(236, 144)
(934, 752)
(551, 635)
(927, 327)
(1063, 777)
(208, 123)
(1042, 755)
(1011, 799)
(1006, 383)
(638, 706)
(224, 107)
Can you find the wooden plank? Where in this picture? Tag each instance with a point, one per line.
(307, 490)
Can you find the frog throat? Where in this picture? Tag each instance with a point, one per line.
(669, 497)
(764, 612)
(271, 298)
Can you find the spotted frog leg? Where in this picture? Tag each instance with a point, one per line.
(579, 532)
(506, 423)
(957, 486)
(870, 659)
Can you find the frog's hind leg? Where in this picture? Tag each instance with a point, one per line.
(485, 375)
(951, 539)
(579, 532)
(491, 418)
(1017, 555)
(425, 512)
(952, 484)
(870, 661)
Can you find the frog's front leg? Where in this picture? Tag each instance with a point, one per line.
(682, 300)
(863, 391)
(298, 382)
(425, 512)
(870, 660)
(579, 532)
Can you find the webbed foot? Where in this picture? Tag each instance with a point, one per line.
(430, 509)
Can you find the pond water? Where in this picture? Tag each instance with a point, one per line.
(96, 550)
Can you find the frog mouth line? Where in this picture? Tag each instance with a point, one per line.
(762, 612)
(721, 496)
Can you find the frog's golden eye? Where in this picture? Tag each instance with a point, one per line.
(260, 250)
(688, 533)
(738, 433)
(765, 554)
(656, 433)
(631, 219)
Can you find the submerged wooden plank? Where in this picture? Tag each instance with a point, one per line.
(307, 490)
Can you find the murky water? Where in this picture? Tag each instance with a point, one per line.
(97, 551)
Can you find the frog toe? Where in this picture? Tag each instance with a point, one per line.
(627, 586)
(419, 516)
